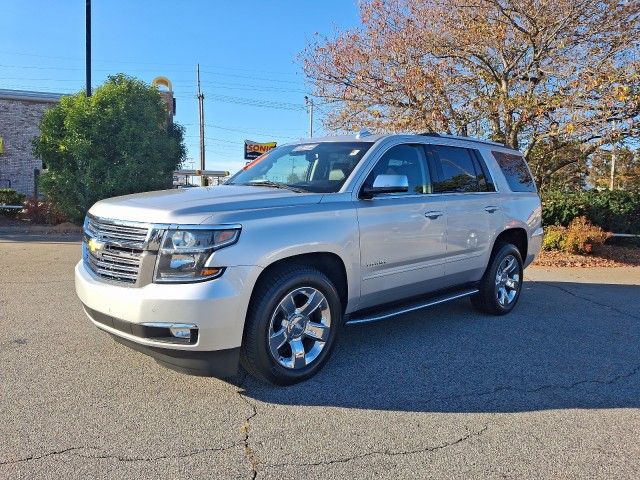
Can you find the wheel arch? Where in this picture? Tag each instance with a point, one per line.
(329, 263)
(516, 236)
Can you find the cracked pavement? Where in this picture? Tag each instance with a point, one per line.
(551, 390)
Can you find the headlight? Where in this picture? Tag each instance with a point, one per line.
(184, 253)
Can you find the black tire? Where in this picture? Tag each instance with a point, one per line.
(487, 300)
(256, 357)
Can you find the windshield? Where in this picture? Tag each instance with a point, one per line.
(310, 167)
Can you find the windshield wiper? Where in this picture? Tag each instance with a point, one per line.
(272, 184)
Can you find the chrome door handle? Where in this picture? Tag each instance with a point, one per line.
(433, 214)
(491, 208)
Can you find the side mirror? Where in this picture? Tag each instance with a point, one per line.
(386, 184)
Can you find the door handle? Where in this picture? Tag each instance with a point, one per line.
(433, 214)
(491, 208)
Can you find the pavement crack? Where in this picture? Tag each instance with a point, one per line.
(37, 456)
(249, 454)
(388, 452)
(590, 300)
(541, 388)
(76, 451)
(127, 458)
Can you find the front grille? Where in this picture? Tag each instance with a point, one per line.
(114, 251)
(122, 235)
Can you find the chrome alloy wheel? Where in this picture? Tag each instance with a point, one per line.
(507, 280)
(299, 328)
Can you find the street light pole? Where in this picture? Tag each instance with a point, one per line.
(201, 120)
(309, 102)
(88, 45)
(613, 169)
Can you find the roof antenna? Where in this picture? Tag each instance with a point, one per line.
(363, 133)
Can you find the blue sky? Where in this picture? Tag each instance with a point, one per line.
(247, 52)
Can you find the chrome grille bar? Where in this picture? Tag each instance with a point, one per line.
(117, 251)
(117, 234)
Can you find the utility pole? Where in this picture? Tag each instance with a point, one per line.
(613, 170)
(88, 45)
(201, 116)
(309, 102)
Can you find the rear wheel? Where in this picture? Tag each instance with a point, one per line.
(291, 325)
(502, 282)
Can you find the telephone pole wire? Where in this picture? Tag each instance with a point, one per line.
(201, 116)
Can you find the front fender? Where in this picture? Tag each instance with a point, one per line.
(325, 228)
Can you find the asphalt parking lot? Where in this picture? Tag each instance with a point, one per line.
(552, 390)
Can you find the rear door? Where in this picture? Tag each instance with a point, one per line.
(473, 211)
(402, 236)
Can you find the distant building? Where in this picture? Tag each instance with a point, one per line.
(20, 115)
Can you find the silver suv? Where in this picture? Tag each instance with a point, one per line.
(266, 269)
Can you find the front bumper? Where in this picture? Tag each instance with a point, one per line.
(218, 308)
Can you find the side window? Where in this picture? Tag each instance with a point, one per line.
(484, 179)
(406, 160)
(515, 171)
(458, 170)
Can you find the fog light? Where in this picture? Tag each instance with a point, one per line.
(168, 332)
(181, 331)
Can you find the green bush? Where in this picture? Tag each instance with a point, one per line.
(554, 237)
(9, 196)
(614, 211)
(113, 143)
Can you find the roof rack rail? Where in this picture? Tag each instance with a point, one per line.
(462, 137)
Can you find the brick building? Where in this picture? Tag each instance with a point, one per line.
(20, 114)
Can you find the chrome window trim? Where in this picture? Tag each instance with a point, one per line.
(423, 195)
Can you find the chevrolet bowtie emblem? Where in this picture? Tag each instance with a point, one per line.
(94, 245)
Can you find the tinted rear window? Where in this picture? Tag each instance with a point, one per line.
(458, 172)
(515, 171)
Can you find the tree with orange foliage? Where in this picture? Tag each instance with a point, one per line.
(540, 75)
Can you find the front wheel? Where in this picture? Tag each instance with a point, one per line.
(292, 325)
(502, 282)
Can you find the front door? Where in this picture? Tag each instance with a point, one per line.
(402, 236)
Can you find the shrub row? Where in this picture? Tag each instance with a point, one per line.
(36, 211)
(579, 237)
(615, 211)
(9, 196)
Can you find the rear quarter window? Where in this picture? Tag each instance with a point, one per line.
(516, 172)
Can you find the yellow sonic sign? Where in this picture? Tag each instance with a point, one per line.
(253, 150)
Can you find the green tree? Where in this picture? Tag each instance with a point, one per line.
(116, 142)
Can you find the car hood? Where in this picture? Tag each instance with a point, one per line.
(195, 205)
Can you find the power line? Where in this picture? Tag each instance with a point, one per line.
(160, 65)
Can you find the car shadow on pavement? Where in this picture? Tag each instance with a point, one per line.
(566, 345)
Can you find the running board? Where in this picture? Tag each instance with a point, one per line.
(383, 314)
